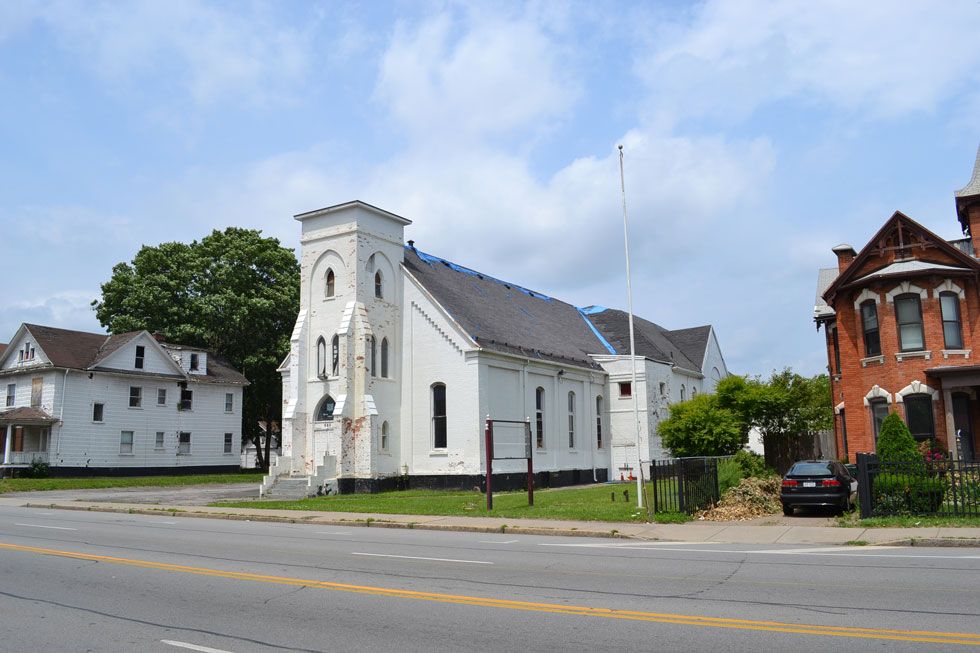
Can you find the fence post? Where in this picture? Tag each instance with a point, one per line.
(680, 476)
(864, 485)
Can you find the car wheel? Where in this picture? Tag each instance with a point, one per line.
(787, 510)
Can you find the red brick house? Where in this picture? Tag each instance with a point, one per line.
(902, 325)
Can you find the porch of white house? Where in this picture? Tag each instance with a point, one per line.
(25, 434)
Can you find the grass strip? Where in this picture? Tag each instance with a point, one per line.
(45, 484)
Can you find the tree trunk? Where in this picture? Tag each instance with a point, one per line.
(268, 438)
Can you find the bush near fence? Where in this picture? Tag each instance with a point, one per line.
(944, 487)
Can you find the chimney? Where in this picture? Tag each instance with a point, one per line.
(159, 337)
(845, 255)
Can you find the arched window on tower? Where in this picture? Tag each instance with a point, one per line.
(335, 356)
(321, 357)
(325, 412)
(384, 436)
(373, 363)
(384, 358)
(378, 285)
(331, 283)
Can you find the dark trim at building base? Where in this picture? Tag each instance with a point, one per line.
(501, 482)
(185, 470)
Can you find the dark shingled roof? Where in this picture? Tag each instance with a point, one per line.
(684, 347)
(504, 317)
(3, 348)
(81, 350)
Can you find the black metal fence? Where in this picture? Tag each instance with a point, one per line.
(684, 484)
(942, 487)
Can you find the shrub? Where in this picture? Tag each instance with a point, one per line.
(895, 443)
(904, 494)
(752, 464)
(37, 469)
(700, 427)
(730, 474)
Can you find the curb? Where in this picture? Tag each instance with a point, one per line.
(324, 521)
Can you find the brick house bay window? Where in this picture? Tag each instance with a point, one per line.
(869, 325)
(908, 314)
(952, 327)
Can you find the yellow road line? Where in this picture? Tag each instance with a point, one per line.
(926, 636)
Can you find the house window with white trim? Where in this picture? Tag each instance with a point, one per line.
(879, 411)
(919, 416)
(440, 439)
(869, 326)
(158, 442)
(140, 356)
(949, 303)
(161, 396)
(598, 422)
(135, 397)
(539, 417)
(908, 314)
(126, 443)
(384, 436)
(571, 420)
(195, 362)
(184, 443)
(11, 394)
(229, 402)
(228, 442)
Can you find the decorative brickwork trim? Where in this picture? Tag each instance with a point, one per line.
(916, 388)
(872, 359)
(965, 353)
(864, 296)
(877, 392)
(902, 355)
(906, 287)
(948, 286)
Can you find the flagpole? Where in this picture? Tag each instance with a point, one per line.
(629, 294)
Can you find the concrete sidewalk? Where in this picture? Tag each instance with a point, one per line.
(732, 532)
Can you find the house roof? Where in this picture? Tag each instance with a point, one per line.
(25, 415)
(3, 348)
(972, 188)
(82, 351)
(849, 275)
(684, 348)
(505, 317)
(508, 318)
(911, 267)
(825, 277)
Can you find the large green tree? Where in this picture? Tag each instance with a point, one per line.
(786, 404)
(234, 292)
(702, 427)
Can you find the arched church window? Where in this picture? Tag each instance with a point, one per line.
(384, 436)
(331, 283)
(373, 363)
(378, 285)
(439, 436)
(321, 357)
(325, 412)
(571, 420)
(335, 356)
(539, 417)
(598, 422)
(384, 358)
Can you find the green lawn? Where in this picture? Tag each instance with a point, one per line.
(908, 521)
(589, 503)
(40, 484)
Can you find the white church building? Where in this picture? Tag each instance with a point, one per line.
(398, 357)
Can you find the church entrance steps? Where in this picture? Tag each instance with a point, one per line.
(289, 487)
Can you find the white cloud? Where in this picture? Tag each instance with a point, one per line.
(879, 59)
(187, 47)
(457, 78)
(69, 309)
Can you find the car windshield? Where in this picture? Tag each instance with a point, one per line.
(811, 469)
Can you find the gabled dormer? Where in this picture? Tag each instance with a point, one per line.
(24, 351)
(136, 351)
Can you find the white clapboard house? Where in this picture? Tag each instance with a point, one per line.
(398, 357)
(90, 403)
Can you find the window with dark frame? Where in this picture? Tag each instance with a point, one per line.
(598, 422)
(335, 356)
(135, 397)
(625, 388)
(869, 325)
(140, 356)
(539, 418)
(439, 434)
(98, 412)
(195, 362)
(11, 394)
(843, 431)
(378, 285)
(331, 283)
(373, 342)
(184, 443)
(908, 315)
(384, 358)
(161, 396)
(879, 411)
(229, 402)
(186, 399)
(571, 420)
(919, 416)
(836, 343)
(325, 412)
(949, 303)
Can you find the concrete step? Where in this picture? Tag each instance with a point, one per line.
(289, 487)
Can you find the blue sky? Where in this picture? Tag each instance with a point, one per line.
(758, 135)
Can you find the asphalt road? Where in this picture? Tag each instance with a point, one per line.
(78, 581)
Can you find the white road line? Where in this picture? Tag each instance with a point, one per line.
(385, 555)
(497, 541)
(330, 533)
(843, 552)
(193, 647)
(824, 549)
(60, 528)
(625, 545)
